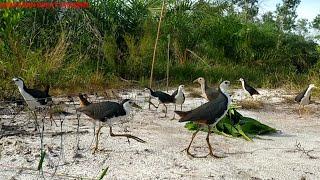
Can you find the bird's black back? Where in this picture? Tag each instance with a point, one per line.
(42, 96)
(103, 110)
(299, 97)
(210, 111)
(250, 89)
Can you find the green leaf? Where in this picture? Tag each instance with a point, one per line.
(42, 155)
(104, 172)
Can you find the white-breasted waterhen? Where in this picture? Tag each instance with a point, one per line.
(208, 114)
(247, 88)
(162, 97)
(35, 99)
(110, 113)
(304, 97)
(179, 98)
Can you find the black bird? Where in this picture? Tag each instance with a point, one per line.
(246, 87)
(303, 98)
(163, 97)
(110, 113)
(208, 114)
(34, 98)
(207, 92)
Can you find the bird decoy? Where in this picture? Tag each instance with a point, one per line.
(163, 98)
(208, 114)
(179, 98)
(246, 87)
(35, 99)
(207, 92)
(109, 112)
(303, 98)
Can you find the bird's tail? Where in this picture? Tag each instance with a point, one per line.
(182, 114)
(83, 101)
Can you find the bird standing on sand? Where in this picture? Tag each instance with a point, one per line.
(34, 98)
(110, 113)
(179, 98)
(303, 98)
(246, 87)
(207, 92)
(208, 114)
(163, 98)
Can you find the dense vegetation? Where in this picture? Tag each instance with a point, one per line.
(114, 39)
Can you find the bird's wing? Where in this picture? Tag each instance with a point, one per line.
(103, 110)
(174, 93)
(209, 111)
(212, 93)
(251, 90)
(164, 97)
(41, 96)
(300, 95)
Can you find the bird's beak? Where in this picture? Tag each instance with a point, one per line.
(136, 106)
(14, 79)
(195, 81)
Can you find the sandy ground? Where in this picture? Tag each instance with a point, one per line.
(293, 153)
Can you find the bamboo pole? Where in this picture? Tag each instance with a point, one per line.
(155, 48)
(168, 62)
(156, 44)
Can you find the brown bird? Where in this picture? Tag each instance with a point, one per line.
(207, 92)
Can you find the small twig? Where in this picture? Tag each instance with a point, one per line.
(299, 148)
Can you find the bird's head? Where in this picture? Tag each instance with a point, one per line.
(224, 86)
(312, 86)
(200, 80)
(148, 90)
(181, 87)
(18, 81)
(129, 103)
(241, 80)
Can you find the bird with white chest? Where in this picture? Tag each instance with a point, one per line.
(110, 113)
(35, 99)
(179, 98)
(303, 98)
(208, 114)
(247, 88)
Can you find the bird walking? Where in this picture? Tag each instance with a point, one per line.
(208, 114)
(163, 98)
(207, 92)
(110, 113)
(304, 97)
(179, 98)
(35, 99)
(247, 88)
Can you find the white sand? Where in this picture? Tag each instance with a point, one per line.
(268, 157)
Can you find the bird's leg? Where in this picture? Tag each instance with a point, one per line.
(35, 120)
(126, 135)
(188, 148)
(174, 114)
(299, 110)
(181, 107)
(165, 115)
(208, 142)
(97, 140)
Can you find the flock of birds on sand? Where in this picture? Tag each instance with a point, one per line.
(110, 113)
